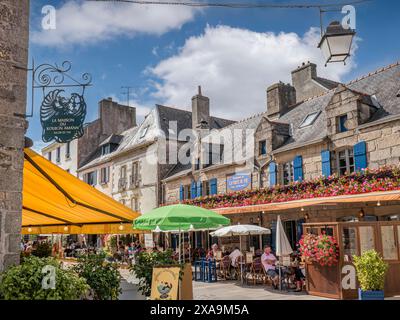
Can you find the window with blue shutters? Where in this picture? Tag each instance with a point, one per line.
(213, 186)
(298, 168)
(181, 193)
(272, 174)
(326, 163)
(199, 191)
(194, 190)
(360, 156)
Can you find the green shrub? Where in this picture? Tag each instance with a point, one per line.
(42, 250)
(24, 282)
(371, 271)
(144, 264)
(103, 277)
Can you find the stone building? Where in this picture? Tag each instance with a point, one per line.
(311, 128)
(113, 118)
(130, 166)
(14, 32)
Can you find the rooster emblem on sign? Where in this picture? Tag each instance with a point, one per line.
(62, 118)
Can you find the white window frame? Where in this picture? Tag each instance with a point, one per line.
(105, 175)
(348, 154)
(314, 116)
(144, 132)
(290, 167)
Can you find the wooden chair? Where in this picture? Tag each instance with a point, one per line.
(257, 273)
(224, 270)
(240, 267)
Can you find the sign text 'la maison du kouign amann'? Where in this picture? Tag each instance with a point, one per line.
(62, 111)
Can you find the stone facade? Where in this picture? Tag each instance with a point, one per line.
(343, 129)
(14, 31)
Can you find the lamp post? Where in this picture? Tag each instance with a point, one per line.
(336, 43)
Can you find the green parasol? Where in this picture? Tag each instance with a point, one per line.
(180, 217)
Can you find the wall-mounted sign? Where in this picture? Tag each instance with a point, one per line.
(238, 182)
(62, 117)
(62, 113)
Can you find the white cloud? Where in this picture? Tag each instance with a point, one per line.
(83, 22)
(234, 67)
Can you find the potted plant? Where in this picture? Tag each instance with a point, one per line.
(371, 272)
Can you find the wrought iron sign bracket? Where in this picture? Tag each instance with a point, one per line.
(61, 113)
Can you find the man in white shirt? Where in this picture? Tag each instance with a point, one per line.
(234, 255)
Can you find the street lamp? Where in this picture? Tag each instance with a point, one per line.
(336, 43)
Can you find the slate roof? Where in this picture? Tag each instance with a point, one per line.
(329, 84)
(155, 125)
(384, 84)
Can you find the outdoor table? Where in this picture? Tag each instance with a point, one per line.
(210, 270)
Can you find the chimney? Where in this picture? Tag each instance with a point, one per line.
(115, 118)
(302, 80)
(200, 111)
(279, 97)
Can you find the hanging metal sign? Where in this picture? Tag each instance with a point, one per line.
(62, 111)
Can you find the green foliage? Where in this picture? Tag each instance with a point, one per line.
(42, 250)
(371, 271)
(144, 264)
(24, 282)
(103, 277)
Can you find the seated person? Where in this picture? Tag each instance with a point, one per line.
(234, 255)
(268, 260)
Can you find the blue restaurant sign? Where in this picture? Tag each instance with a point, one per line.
(238, 182)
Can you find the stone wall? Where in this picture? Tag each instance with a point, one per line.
(14, 31)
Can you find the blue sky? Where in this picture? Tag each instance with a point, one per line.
(165, 52)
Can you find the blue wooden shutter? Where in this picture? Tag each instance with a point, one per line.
(298, 168)
(181, 193)
(272, 174)
(273, 235)
(199, 189)
(213, 186)
(299, 229)
(326, 163)
(193, 192)
(360, 156)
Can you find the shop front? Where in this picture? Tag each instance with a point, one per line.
(354, 238)
(358, 222)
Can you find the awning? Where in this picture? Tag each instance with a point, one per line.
(55, 201)
(329, 201)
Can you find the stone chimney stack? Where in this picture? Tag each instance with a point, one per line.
(279, 97)
(200, 111)
(116, 118)
(303, 81)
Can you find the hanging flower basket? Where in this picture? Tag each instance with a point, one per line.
(321, 249)
(327, 251)
(307, 245)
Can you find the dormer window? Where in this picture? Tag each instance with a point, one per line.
(262, 145)
(309, 119)
(341, 123)
(106, 149)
